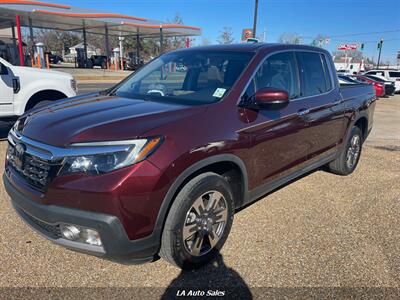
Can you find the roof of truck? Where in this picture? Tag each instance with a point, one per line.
(254, 47)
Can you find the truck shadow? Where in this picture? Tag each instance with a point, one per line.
(213, 280)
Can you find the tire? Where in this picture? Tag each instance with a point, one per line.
(344, 165)
(206, 229)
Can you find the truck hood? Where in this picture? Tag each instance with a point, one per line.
(96, 117)
(39, 73)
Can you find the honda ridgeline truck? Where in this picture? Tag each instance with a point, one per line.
(158, 164)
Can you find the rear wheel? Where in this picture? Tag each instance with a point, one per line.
(347, 162)
(199, 222)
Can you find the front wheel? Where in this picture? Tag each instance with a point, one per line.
(347, 162)
(198, 222)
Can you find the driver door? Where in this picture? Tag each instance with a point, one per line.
(6, 91)
(280, 139)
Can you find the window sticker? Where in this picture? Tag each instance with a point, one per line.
(219, 92)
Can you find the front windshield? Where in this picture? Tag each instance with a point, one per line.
(187, 77)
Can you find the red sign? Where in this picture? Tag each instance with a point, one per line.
(246, 34)
(347, 47)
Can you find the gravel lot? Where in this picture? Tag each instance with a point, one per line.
(321, 231)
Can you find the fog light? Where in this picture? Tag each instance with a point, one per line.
(70, 232)
(92, 237)
(80, 234)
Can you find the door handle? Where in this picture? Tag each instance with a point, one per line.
(303, 111)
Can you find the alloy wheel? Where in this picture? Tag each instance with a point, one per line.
(205, 223)
(353, 151)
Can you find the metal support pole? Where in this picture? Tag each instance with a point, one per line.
(107, 46)
(84, 44)
(21, 52)
(13, 60)
(255, 18)
(137, 48)
(121, 52)
(161, 41)
(31, 37)
(380, 50)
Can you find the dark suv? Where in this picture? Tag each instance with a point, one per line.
(157, 165)
(99, 61)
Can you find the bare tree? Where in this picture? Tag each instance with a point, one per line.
(205, 41)
(56, 41)
(320, 40)
(173, 43)
(290, 38)
(226, 36)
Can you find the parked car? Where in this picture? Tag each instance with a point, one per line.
(23, 88)
(389, 85)
(54, 59)
(392, 75)
(379, 86)
(343, 72)
(349, 78)
(344, 81)
(99, 61)
(132, 63)
(159, 164)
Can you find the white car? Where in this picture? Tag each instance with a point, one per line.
(391, 75)
(22, 88)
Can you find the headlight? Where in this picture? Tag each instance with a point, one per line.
(109, 156)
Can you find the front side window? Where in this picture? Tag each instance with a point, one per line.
(312, 73)
(187, 77)
(278, 71)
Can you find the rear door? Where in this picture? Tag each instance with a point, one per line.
(6, 91)
(325, 117)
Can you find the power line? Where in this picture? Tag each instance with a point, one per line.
(365, 33)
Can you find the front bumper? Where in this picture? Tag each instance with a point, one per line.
(45, 219)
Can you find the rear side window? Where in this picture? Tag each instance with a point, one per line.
(328, 76)
(312, 73)
(394, 74)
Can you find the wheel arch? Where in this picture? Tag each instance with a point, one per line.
(42, 95)
(362, 123)
(218, 164)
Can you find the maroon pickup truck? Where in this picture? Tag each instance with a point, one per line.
(158, 165)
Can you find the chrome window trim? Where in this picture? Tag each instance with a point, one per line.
(334, 86)
(53, 153)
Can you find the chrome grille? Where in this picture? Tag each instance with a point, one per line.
(36, 171)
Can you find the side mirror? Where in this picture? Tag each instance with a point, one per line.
(271, 98)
